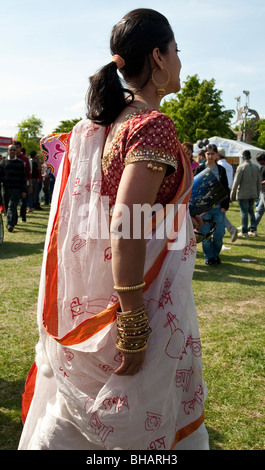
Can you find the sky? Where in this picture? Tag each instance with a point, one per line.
(48, 50)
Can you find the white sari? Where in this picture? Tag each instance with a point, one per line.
(72, 398)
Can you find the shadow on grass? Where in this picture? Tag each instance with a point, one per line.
(39, 228)
(231, 269)
(10, 416)
(216, 439)
(12, 249)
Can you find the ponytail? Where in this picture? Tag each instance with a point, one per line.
(106, 96)
(132, 40)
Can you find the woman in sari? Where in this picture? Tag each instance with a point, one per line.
(118, 363)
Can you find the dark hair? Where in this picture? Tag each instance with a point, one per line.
(246, 155)
(17, 143)
(261, 156)
(187, 145)
(33, 153)
(211, 147)
(133, 38)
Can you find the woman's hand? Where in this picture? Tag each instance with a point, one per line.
(130, 363)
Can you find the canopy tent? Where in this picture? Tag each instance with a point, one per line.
(233, 149)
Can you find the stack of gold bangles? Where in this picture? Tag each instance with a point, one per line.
(132, 330)
(132, 327)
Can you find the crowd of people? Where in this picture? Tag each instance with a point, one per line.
(26, 186)
(247, 186)
(23, 181)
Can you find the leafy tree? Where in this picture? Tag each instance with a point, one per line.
(259, 137)
(29, 133)
(198, 112)
(66, 126)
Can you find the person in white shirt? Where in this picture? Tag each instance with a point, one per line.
(228, 168)
(230, 175)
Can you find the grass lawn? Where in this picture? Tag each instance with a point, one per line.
(230, 301)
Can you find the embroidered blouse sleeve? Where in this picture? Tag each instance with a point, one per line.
(155, 140)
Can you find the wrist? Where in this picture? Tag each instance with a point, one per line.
(133, 330)
(130, 300)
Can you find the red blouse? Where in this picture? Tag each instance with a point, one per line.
(146, 135)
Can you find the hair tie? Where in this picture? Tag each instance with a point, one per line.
(119, 61)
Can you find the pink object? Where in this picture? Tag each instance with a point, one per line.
(194, 165)
(52, 148)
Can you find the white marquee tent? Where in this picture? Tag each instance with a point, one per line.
(233, 148)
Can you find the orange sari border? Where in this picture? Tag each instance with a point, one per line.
(89, 327)
(50, 312)
(154, 270)
(187, 430)
(29, 391)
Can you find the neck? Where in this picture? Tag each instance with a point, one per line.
(145, 98)
(210, 164)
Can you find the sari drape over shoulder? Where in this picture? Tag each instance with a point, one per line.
(71, 390)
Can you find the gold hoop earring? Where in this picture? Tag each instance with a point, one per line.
(160, 89)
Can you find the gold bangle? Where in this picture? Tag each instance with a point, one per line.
(133, 330)
(132, 319)
(131, 351)
(129, 288)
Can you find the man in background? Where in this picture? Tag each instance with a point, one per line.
(246, 189)
(13, 177)
(216, 215)
(260, 209)
(21, 156)
(221, 160)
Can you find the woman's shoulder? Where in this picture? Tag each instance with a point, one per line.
(150, 121)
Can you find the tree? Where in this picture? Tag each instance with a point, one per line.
(29, 133)
(66, 126)
(259, 137)
(198, 112)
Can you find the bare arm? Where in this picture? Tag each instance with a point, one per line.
(138, 185)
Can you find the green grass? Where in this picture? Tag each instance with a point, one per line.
(20, 265)
(230, 302)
